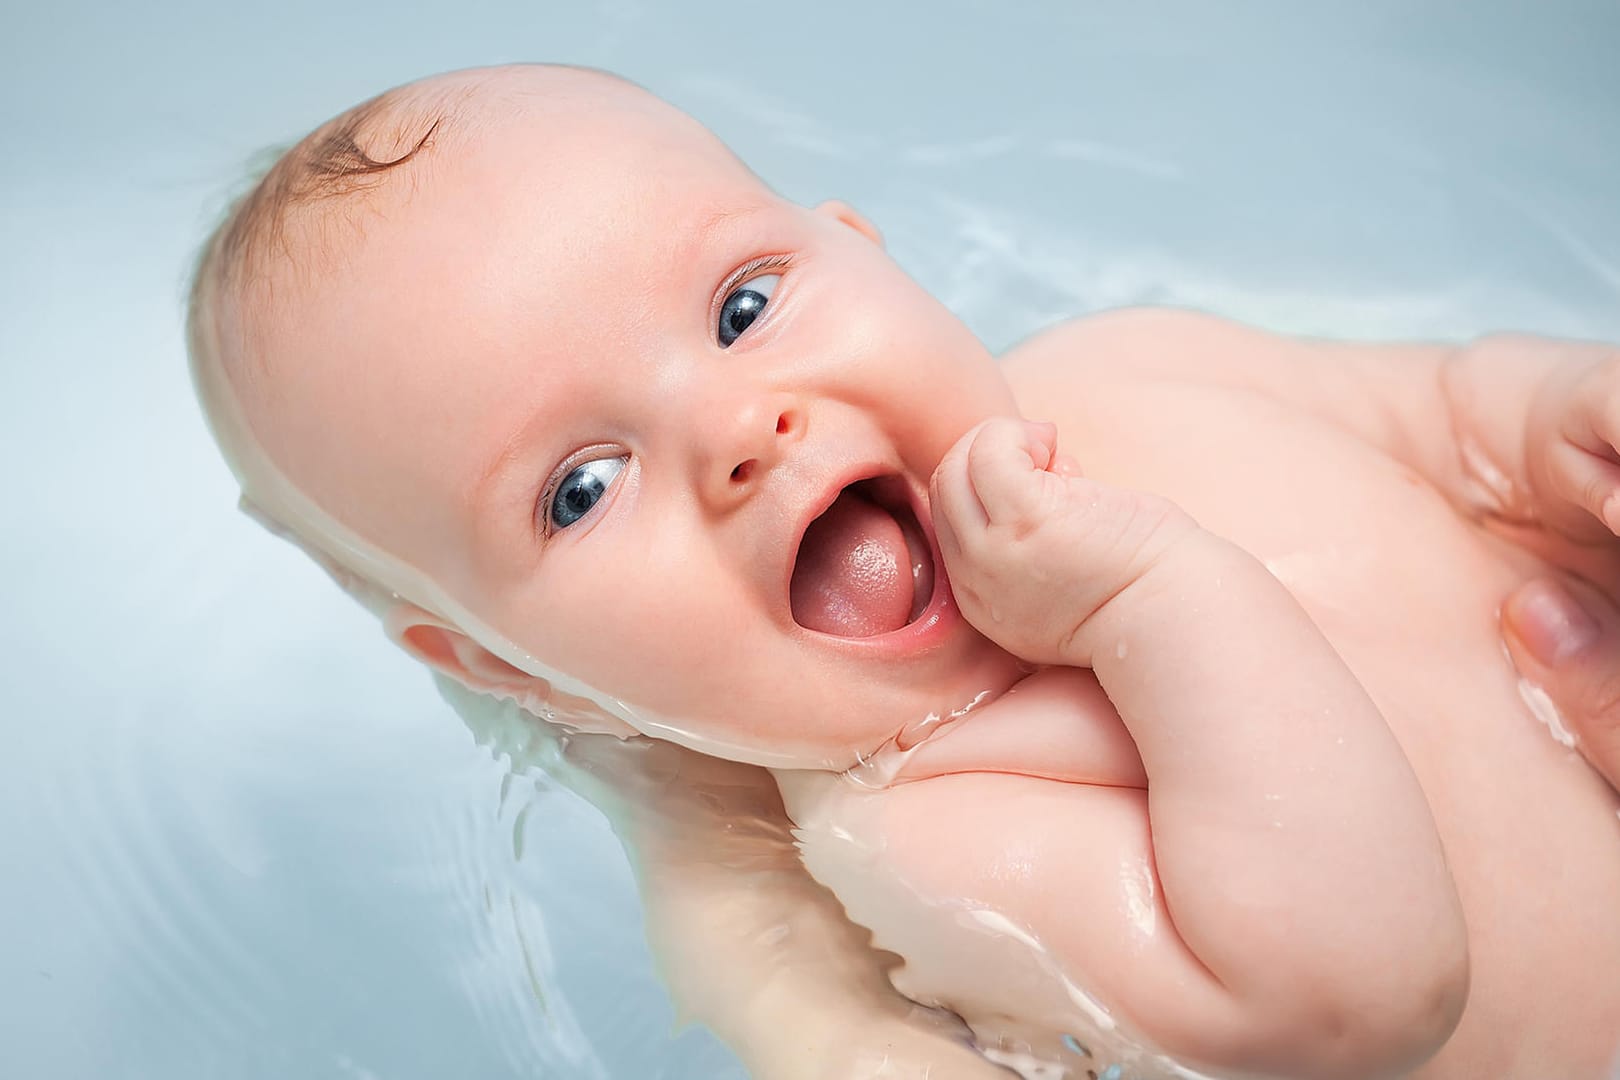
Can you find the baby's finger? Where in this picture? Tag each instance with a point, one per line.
(1042, 444)
(951, 493)
(1606, 429)
(936, 507)
(1065, 466)
(1006, 466)
(1588, 480)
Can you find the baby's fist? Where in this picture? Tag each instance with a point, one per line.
(1034, 550)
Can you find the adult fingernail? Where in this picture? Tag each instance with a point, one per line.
(1549, 622)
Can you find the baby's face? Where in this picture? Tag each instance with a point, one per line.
(587, 373)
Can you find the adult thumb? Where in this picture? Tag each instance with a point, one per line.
(1565, 639)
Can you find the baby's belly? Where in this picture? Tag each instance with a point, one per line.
(1531, 832)
(1532, 837)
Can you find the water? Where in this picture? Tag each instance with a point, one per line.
(245, 838)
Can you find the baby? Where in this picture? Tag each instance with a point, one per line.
(1229, 778)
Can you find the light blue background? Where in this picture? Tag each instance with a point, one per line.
(240, 836)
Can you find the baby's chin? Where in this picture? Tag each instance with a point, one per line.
(868, 732)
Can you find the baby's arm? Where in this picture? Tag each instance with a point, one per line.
(1296, 853)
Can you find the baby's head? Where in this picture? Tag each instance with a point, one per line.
(584, 410)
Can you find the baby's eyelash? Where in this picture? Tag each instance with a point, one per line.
(750, 269)
(541, 515)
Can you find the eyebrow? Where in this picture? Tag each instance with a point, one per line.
(721, 218)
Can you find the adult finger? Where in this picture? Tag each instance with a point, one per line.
(1565, 639)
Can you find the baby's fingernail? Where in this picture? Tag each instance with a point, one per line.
(1549, 622)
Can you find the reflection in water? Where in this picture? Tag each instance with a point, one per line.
(508, 970)
(747, 941)
(545, 770)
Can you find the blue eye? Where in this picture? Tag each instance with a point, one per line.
(580, 490)
(743, 305)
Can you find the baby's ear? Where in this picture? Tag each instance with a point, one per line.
(449, 651)
(842, 211)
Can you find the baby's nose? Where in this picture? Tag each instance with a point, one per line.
(742, 442)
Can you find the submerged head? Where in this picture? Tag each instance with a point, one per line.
(581, 407)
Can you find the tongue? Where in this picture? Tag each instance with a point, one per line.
(853, 577)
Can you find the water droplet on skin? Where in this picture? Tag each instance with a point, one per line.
(1120, 649)
(1542, 708)
(1074, 1044)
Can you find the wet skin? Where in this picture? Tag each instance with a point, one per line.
(508, 317)
(1404, 587)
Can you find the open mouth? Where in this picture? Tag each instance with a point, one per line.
(864, 567)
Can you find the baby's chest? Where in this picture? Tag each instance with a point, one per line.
(1364, 543)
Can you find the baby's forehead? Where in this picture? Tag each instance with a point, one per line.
(576, 149)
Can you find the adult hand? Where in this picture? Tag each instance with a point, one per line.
(1565, 638)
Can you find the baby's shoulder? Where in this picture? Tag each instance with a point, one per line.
(1129, 340)
(1147, 342)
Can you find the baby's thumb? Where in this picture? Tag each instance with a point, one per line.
(1041, 436)
(1569, 647)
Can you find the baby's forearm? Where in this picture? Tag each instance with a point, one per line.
(1295, 847)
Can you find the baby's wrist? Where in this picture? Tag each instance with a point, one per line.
(1195, 571)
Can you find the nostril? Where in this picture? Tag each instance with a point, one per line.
(742, 472)
(790, 422)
